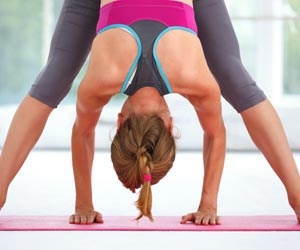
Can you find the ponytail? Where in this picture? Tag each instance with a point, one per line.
(142, 152)
(144, 202)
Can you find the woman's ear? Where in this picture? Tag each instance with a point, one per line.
(171, 124)
(120, 120)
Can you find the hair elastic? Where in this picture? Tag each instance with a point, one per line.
(147, 177)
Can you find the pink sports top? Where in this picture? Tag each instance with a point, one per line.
(168, 12)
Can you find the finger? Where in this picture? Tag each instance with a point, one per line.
(83, 219)
(218, 221)
(186, 218)
(77, 219)
(72, 219)
(205, 220)
(214, 220)
(94, 218)
(199, 220)
(208, 220)
(90, 219)
(99, 218)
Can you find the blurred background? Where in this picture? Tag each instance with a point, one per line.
(269, 36)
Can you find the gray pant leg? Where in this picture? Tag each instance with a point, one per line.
(70, 45)
(222, 53)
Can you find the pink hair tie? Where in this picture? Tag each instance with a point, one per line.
(147, 177)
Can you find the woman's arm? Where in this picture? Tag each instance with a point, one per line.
(83, 148)
(83, 136)
(209, 113)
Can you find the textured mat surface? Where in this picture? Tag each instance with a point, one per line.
(161, 223)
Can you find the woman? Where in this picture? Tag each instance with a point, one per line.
(71, 42)
(146, 49)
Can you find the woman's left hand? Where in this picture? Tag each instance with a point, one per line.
(202, 218)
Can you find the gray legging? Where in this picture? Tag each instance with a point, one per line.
(70, 45)
(76, 28)
(222, 53)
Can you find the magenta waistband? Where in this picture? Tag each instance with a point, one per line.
(168, 12)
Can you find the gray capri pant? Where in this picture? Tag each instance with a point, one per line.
(70, 45)
(76, 29)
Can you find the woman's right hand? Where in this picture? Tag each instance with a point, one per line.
(84, 217)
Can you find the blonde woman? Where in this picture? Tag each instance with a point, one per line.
(146, 49)
(72, 38)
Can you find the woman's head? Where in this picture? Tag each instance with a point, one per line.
(142, 152)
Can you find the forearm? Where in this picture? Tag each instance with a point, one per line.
(82, 157)
(214, 149)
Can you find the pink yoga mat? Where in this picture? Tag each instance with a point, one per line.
(161, 223)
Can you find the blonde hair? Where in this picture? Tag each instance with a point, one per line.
(143, 147)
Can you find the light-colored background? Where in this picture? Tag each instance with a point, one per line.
(249, 187)
(45, 184)
(266, 49)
